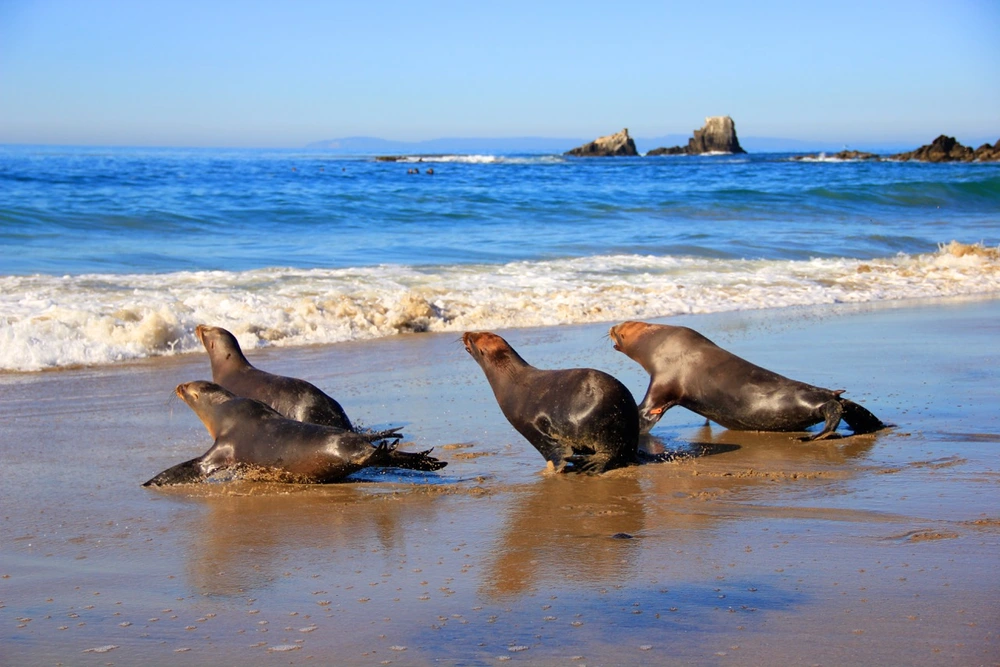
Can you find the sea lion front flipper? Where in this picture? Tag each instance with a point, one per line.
(182, 473)
(650, 412)
(589, 464)
(832, 412)
(549, 442)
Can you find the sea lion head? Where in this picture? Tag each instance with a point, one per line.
(204, 393)
(490, 350)
(625, 335)
(221, 345)
(203, 397)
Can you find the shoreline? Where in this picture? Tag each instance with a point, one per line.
(867, 549)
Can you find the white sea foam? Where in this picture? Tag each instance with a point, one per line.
(52, 322)
(823, 157)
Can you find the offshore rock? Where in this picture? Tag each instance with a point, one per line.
(987, 153)
(717, 136)
(947, 149)
(942, 149)
(673, 150)
(611, 145)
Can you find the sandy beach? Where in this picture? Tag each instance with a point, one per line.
(748, 549)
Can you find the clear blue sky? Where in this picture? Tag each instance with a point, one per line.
(222, 73)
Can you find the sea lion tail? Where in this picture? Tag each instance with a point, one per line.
(182, 473)
(860, 419)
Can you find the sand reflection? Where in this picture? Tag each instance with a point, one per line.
(249, 534)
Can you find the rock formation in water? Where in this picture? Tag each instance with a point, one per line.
(987, 153)
(612, 145)
(717, 136)
(947, 149)
(842, 155)
(673, 150)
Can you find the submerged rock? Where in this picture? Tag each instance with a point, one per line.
(842, 155)
(609, 146)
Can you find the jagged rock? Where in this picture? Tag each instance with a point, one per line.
(947, 149)
(717, 136)
(613, 144)
(942, 149)
(987, 153)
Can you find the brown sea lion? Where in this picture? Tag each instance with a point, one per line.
(250, 433)
(295, 399)
(580, 419)
(689, 370)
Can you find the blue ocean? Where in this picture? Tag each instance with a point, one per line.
(114, 254)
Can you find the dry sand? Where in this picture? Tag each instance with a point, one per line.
(756, 549)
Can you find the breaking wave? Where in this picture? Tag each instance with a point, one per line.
(57, 322)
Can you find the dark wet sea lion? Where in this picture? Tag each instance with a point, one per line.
(250, 433)
(689, 370)
(295, 399)
(580, 419)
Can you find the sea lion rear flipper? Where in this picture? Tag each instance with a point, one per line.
(413, 460)
(860, 419)
(182, 473)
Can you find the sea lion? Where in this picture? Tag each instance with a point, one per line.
(689, 370)
(580, 419)
(250, 433)
(295, 399)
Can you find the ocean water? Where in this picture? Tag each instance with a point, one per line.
(114, 254)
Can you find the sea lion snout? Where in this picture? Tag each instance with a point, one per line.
(467, 341)
(481, 343)
(627, 333)
(182, 390)
(615, 338)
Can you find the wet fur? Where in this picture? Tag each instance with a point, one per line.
(294, 398)
(248, 432)
(689, 370)
(580, 420)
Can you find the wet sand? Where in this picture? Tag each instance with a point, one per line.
(750, 549)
